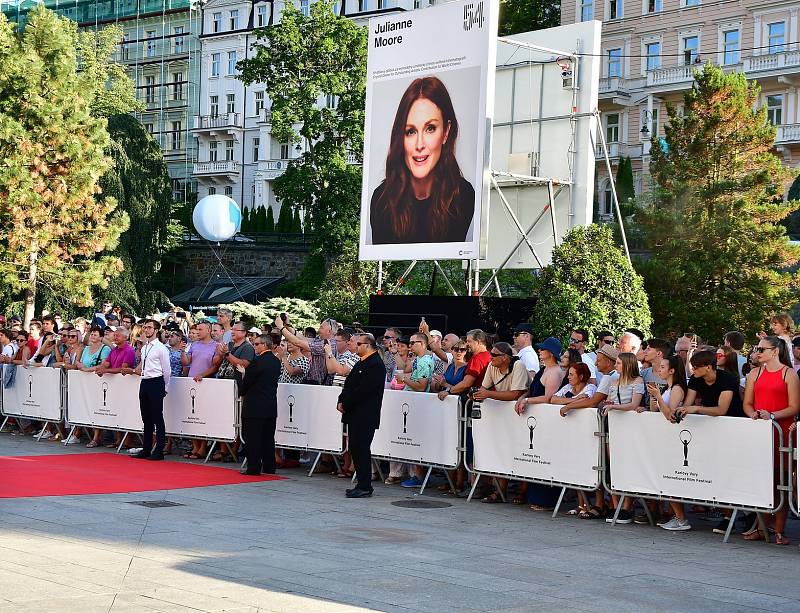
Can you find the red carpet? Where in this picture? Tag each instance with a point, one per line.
(106, 473)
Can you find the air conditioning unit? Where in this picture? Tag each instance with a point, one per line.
(523, 164)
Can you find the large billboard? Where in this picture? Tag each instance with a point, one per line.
(430, 74)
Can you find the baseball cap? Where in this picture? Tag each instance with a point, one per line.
(254, 330)
(523, 327)
(15, 318)
(611, 352)
(403, 340)
(435, 333)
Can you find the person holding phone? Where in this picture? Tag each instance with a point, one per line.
(318, 372)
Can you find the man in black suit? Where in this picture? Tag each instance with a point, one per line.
(259, 391)
(360, 406)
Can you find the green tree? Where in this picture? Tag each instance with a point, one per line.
(526, 15)
(246, 220)
(589, 284)
(713, 223)
(347, 285)
(297, 225)
(285, 220)
(53, 221)
(301, 60)
(140, 183)
(624, 186)
(269, 219)
(301, 313)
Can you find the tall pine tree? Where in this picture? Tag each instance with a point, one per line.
(53, 221)
(718, 249)
(269, 220)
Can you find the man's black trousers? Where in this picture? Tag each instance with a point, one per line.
(360, 439)
(259, 443)
(151, 404)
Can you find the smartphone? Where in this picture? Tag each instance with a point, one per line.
(180, 315)
(284, 317)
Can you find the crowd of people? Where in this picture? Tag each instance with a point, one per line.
(625, 373)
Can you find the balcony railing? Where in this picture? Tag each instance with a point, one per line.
(788, 133)
(612, 84)
(772, 61)
(671, 75)
(216, 122)
(265, 115)
(228, 167)
(613, 151)
(272, 169)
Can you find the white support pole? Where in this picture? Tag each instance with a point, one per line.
(611, 183)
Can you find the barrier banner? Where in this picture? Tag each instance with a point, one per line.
(201, 410)
(720, 459)
(418, 427)
(110, 401)
(539, 444)
(308, 419)
(35, 393)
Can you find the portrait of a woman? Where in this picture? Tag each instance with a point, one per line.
(424, 198)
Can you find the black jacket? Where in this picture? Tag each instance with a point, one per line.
(259, 387)
(362, 394)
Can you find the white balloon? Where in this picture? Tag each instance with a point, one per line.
(217, 218)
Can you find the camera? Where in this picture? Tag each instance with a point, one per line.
(476, 412)
(678, 417)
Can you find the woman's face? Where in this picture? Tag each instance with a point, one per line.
(618, 366)
(572, 377)
(565, 359)
(425, 133)
(664, 371)
(720, 357)
(94, 337)
(777, 328)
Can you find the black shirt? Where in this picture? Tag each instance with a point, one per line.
(459, 218)
(708, 395)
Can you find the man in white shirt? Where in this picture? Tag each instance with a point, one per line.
(155, 370)
(523, 345)
(578, 340)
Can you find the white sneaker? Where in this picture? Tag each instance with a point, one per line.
(72, 440)
(44, 434)
(134, 450)
(677, 524)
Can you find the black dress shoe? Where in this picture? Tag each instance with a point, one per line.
(155, 458)
(358, 493)
(247, 472)
(142, 455)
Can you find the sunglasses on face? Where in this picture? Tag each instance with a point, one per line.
(575, 341)
(496, 355)
(257, 343)
(763, 349)
(460, 349)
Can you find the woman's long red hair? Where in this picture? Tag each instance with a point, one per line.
(396, 200)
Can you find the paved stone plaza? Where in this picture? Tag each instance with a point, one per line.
(299, 545)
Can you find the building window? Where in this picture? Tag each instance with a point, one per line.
(229, 190)
(776, 37)
(691, 3)
(177, 136)
(261, 15)
(730, 47)
(614, 63)
(653, 6)
(215, 64)
(607, 203)
(231, 62)
(212, 191)
(691, 45)
(126, 48)
(228, 150)
(614, 9)
(151, 43)
(653, 53)
(178, 31)
(259, 102)
(213, 106)
(612, 128)
(149, 128)
(586, 7)
(212, 151)
(775, 109)
(234, 21)
(331, 101)
(256, 144)
(284, 151)
(177, 86)
(230, 103)
(150, 90)
(216, 22)
(304, 8)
